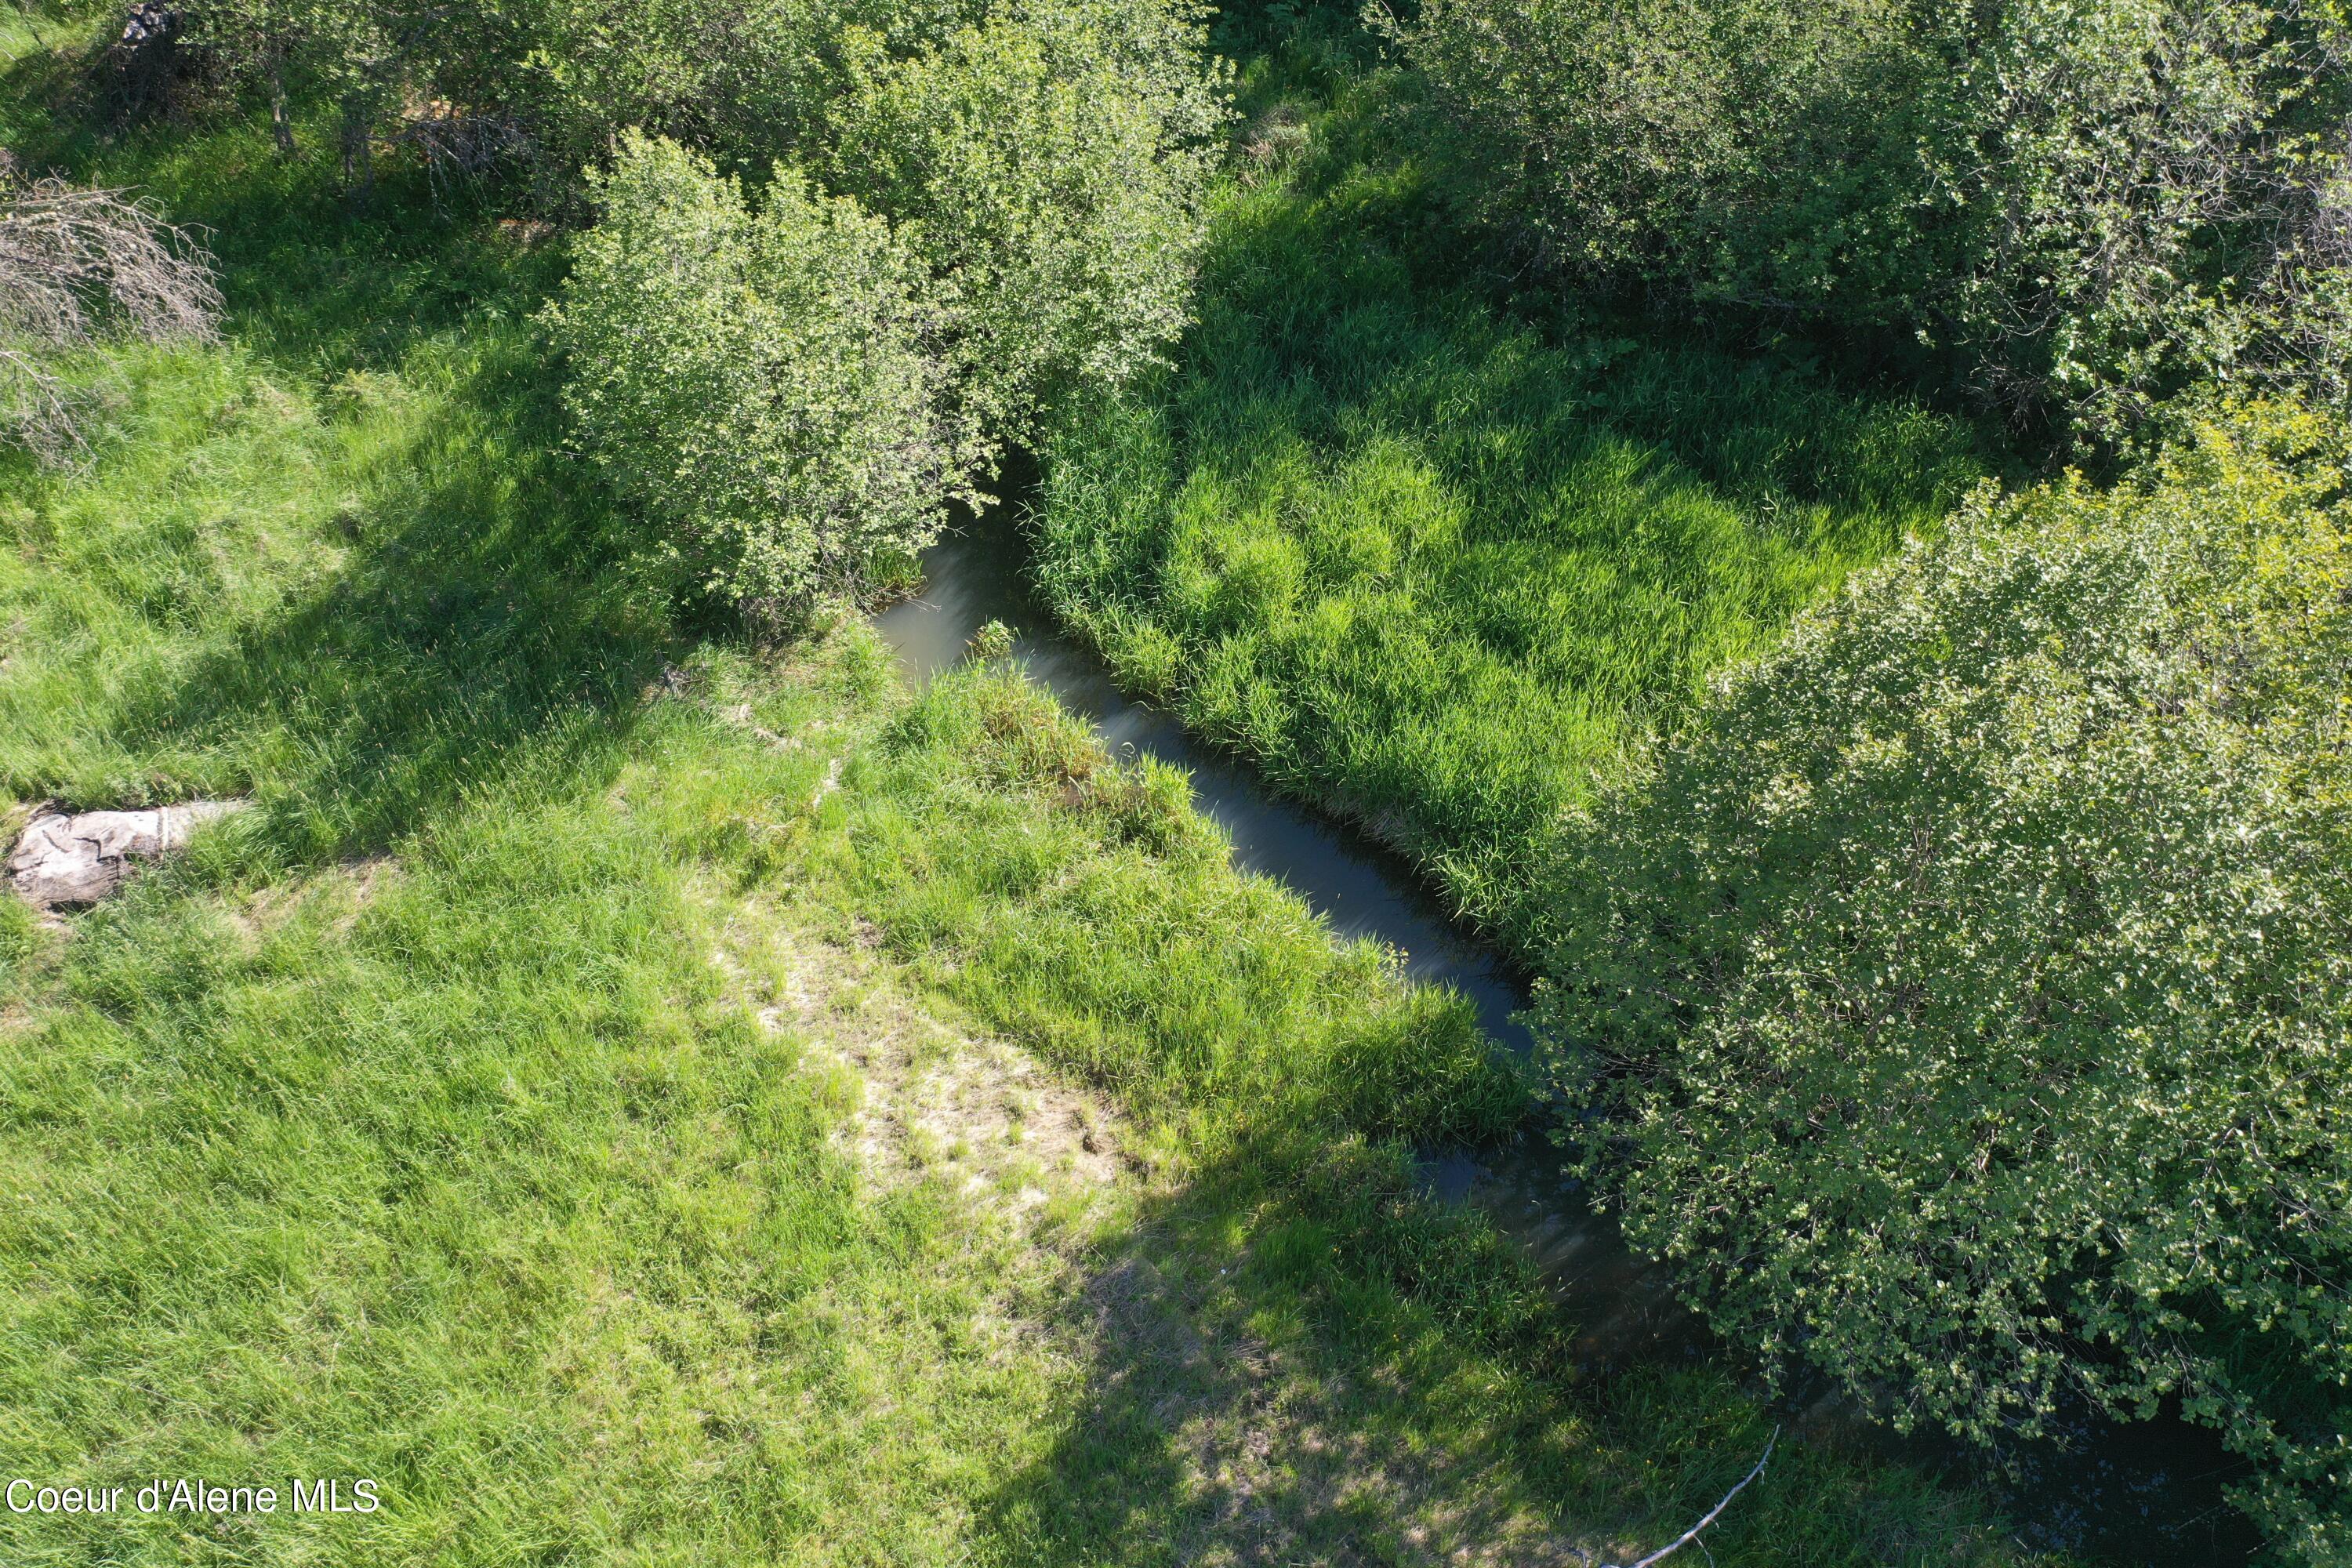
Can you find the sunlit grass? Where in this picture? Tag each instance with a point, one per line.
(1432, 562)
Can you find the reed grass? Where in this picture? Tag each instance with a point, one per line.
(1435, 554)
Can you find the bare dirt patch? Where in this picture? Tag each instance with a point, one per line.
(1274, 1457)
(935, 1102)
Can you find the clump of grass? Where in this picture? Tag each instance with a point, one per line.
(1412, 553)
(1084, 906)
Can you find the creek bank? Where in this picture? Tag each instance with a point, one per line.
(2121, 1492)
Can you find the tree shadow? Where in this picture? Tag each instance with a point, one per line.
(1300, 1357)
(317, 279)
(482, 627)
(481, 623)
(1303, 1356)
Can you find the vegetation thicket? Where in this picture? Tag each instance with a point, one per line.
(1044, 163)
(764, 389)
(1970, 986)
(1428, 559)
(1040, 172)
(1050, 161)
(2080, 208)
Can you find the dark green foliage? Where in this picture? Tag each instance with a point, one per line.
(1970, 983)
(2084, 206)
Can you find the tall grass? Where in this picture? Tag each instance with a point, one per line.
(1431, 562)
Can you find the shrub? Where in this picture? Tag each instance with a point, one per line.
(749, 79)
(1046, 160)
(1966, 1001)
(2089, 205)
(1690, 140)
(762, 383)
(1051, 160)
(76, 266)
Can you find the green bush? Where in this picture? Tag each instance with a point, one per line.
(761, 383)
(1965, 1000)
(2086, 206)
(1737, 146)
(1046, 163)
(1051, 160)
(747, 80)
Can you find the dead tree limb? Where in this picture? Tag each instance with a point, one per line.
(75, 265)
(1687, 1536)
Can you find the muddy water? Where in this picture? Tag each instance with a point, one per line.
(2145, 1493)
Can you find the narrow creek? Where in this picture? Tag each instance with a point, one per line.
(2146, 1493)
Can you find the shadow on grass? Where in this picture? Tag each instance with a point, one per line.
(315, 279)
(1297, 1358)
(482, 628)
(479, 624)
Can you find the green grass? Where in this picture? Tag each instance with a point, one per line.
(423, 1123)
(1441, 562)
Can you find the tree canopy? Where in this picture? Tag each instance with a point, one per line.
(1969, 989)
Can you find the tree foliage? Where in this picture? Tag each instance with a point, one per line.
(1052, 160)
(2088, 205)
(764, 381)
(1968, 993)
(1025, 184)
(1018, 208)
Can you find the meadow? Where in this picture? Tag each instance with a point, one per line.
(640, 1094)
(1429, 545)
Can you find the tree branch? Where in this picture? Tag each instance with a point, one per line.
(1687, 1536)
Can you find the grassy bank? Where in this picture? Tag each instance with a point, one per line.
(513, 1107)
(1439, 560)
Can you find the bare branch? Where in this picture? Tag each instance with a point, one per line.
(1690, 1535)
(69, 256)
(37, 409)
(74, 264)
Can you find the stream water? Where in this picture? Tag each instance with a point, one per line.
(2148, 1492)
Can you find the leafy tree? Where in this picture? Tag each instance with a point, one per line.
(762, 382)
(1048, 160)
(747, 80)
(1965, 1000)
(1052, 162)
(2089, 202)
(357, 53)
